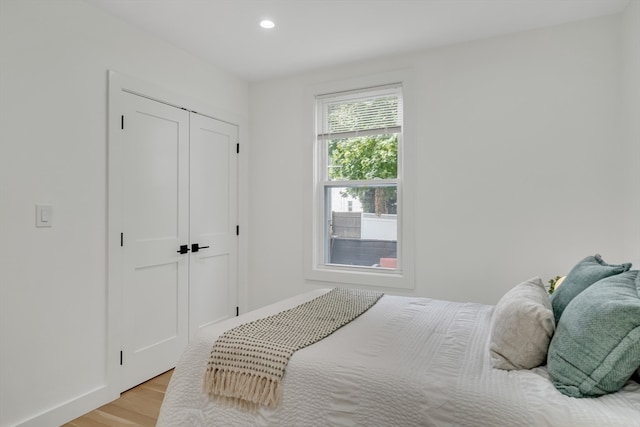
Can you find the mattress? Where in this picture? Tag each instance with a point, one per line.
(407, 361)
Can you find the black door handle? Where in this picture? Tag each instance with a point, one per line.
(195, 247)
(183, 249)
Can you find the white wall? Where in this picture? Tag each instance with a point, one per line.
(519, 161)
(53, 110)
(631, 93)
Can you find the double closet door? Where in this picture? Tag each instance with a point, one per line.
(179, 243)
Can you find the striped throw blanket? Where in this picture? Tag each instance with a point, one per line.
(248, 362)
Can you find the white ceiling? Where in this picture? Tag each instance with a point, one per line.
(315, 33)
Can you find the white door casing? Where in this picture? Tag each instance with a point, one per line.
(163, 195)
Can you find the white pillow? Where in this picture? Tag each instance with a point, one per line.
(521, 327)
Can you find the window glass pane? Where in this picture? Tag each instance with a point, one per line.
(362, 226)
(363, 158)
(362, 114)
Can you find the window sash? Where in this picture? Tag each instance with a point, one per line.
(324, 259)
(357, 133)
(391, 182)
(323, 184)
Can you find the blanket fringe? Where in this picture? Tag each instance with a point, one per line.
(247, 363)
(243, 388)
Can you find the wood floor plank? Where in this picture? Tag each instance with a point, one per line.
(161, 380)
(86, 422)
(137, 407)
(107, 419)
(129, 415)
(142, 404)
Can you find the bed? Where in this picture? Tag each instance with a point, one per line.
(407, 361)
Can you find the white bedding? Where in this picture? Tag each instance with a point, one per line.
(407, 361)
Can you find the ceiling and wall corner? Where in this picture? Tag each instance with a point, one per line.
(312, 34)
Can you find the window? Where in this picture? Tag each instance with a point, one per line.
(358, 207)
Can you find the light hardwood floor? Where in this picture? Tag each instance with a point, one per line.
(139, 406)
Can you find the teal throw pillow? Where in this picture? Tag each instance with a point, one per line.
(596, 346)
(582, 275)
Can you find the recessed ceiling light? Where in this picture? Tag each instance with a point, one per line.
(267, 23)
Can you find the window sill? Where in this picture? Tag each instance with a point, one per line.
(365, 276)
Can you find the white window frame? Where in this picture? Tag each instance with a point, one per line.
(315, 269)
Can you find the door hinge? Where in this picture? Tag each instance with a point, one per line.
(121, 239)
(238, 148)
(122, 121)
(121, 358)
(237, 230)
(237, 311)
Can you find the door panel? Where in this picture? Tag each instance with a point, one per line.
(155, 323)
(211, 296)
(213, 201)
(155, 223)
(152, 157)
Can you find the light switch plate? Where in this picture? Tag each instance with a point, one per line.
(44, 216)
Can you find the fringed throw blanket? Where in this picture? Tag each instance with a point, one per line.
(247, 363)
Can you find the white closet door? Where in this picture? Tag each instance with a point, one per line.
(155, 202)
(213, 195)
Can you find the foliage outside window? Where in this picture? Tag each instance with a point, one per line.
(359, 140)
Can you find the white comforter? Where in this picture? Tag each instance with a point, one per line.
(406, 362)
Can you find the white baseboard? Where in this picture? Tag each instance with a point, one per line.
(71, 409)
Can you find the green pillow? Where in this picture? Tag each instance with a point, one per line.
(582, 275)
(596, 346)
